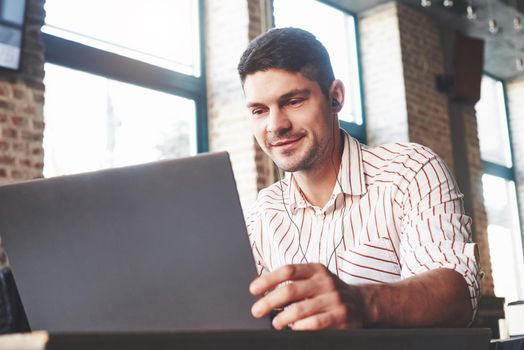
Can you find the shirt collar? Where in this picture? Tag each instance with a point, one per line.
(350, 175)
(351, 172)
(296, 198)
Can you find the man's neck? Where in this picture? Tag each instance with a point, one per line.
(317, 184)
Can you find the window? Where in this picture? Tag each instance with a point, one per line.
(500, 199)
(160, 32)
(127, 90)
(11, 28)
(122, 124)
(323, 21)
(493, 123)
(505, 247)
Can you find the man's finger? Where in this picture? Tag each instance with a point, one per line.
(282, 297)
(301, 310)
(316, 322)
(285, 273)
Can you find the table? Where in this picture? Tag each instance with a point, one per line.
(391, 339)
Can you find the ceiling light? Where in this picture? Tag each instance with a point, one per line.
(493, 26)
(517, 23)
(520, 63)
(471, 13)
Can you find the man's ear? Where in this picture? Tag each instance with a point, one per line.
(336, 95)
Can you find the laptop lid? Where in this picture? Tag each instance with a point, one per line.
(160, 246)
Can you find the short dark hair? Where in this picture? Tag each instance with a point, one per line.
(291, 49)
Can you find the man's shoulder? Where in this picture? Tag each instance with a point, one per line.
(393, 154)
(270, 197)
(392, 151)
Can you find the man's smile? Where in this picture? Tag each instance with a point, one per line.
(285, 144)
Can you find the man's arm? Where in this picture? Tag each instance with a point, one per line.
(434, 298)
(317, 299)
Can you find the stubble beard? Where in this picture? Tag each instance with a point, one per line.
(301, 160)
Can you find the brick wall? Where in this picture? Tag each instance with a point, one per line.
(382, 75)
(229, 27)
(21, 106)
(422, 61)
(401, 56)
(402, 53)
(260, 20)
(21, 109)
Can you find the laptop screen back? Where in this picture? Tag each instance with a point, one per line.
(161, 246)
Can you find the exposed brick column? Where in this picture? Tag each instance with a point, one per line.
(382, 75)
(423, 61)
(260, 20)
(229, 27)
(401, 57)
(21, 106)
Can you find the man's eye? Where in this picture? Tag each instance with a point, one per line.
(257, 111)
(295, 102)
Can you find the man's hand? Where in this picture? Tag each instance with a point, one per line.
(315, 299)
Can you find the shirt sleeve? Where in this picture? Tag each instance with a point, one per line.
(436, 232)
(254, 230)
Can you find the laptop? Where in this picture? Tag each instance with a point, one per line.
(154, 247)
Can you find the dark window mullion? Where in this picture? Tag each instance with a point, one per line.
(95, 61)
(201, 101)
(498, 170)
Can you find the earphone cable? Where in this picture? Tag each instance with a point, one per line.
(289, 216)
(341, 191)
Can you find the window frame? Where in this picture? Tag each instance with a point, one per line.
(358, 131)
(502, 171)
(74, 55)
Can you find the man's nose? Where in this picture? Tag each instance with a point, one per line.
(278, 122)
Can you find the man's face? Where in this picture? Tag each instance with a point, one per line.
(290, 117)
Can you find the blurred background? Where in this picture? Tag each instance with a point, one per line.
(87, 85)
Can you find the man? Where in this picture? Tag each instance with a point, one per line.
(353, 236)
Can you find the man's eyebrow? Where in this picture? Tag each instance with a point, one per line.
(304, 92)
(253, 104)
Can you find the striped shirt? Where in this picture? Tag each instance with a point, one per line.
(395, 212)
